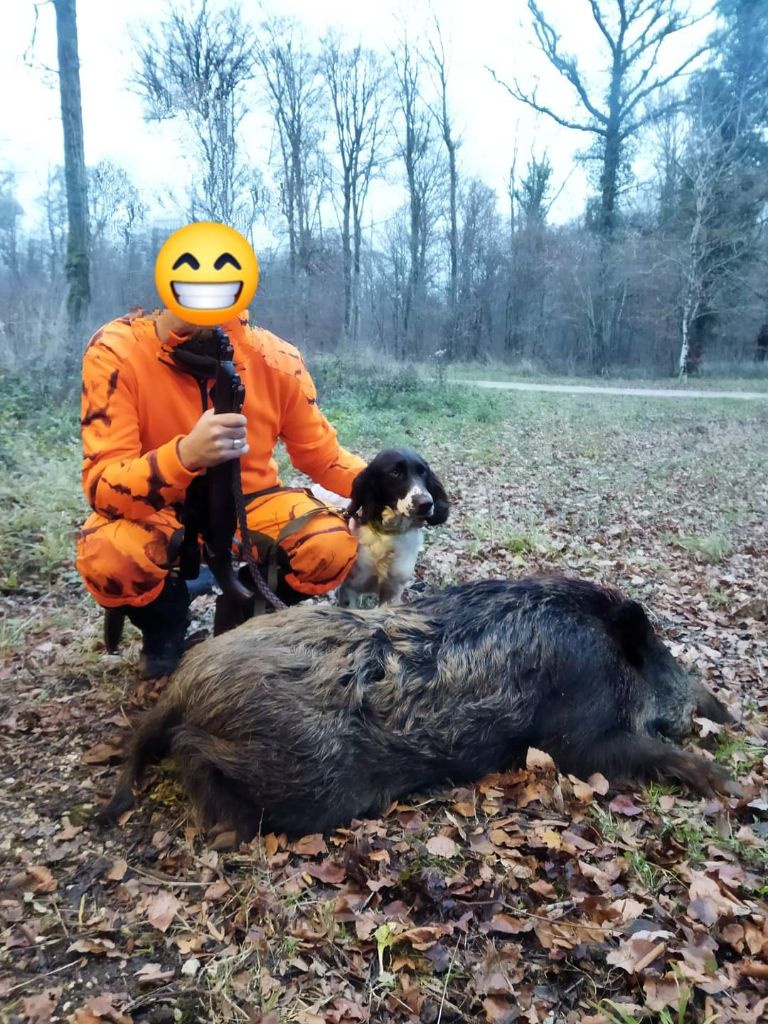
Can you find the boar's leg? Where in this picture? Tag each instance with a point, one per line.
(708, 705)
(150, 744)
(212, 771)
(629, 756)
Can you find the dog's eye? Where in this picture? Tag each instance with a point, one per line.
(396, 472)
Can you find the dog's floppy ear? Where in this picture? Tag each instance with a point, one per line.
(361, 487)
(440, 499)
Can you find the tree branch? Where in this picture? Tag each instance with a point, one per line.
(659, 83)
(566, 66)
(597, 14)
(531, 101)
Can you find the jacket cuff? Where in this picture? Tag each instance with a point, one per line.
(172, 468)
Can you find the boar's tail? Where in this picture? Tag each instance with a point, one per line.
(628, 756)
(150, 744)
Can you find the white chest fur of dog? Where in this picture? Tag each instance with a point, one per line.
(385, 563)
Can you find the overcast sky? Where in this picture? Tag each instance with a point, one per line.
(477, 33)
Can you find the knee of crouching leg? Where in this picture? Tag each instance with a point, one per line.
(321, 559)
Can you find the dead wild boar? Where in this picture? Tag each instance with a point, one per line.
(302, 720)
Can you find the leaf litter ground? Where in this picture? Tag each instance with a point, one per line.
(529, 896)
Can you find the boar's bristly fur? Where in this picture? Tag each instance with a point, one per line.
(302, 720)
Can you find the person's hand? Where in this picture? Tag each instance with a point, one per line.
(213, 439)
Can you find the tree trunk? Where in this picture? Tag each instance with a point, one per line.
(609, 181)
(454, 231)
(761, 345)
(356, 274)
(685, 343)
(346, 247)
(77, 265)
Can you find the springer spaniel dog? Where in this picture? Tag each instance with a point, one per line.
(393, 499)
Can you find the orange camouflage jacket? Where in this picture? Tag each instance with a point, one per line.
(137, 405)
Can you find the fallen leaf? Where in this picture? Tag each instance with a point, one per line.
(465, 809)
(217, 890)
(162, 910)
(665, 991)
(583, 792)
(35, 878)
(271, 845)
(505, 924)
(104, 753)
(552, 839)
(104, 947)
(39, 1009)
(623, 804)
(538, 760)
(309, 846)
(599, 783)
(326, 871)
(707, 903)
(99, 1008)
(153, 972)
(68, 831)
(423, 938)
(442, 846)
(639, 951)
(753, 969)
(117, 872)
(496, 1009)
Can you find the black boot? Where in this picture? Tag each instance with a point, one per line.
(229, 614)
(163, 623)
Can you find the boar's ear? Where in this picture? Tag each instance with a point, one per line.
(629, 626)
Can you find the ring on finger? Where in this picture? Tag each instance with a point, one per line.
(236, 442)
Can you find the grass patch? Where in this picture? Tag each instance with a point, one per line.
(712, 548)
(381, 406)
(615, 1013)
(650, 875)
(39, 486)
(739, 753)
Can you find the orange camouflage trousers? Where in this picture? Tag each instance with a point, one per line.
(125, 561)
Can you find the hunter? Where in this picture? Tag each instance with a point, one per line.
(149, 430)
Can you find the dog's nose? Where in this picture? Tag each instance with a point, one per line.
(423, 507)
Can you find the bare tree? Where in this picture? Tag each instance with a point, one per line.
(10, 213)
(531, 198)
(445, 125)
(77, 265)
(295, 95)
(115, 203)
(635, 33)
(422, 173)
(724, 183)
(354, 78)
(721, 232)
(197, 66)
(480, 253)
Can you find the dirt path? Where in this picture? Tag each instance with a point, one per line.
(586, 389)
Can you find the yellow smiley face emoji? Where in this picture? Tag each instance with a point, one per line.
(206, 273)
